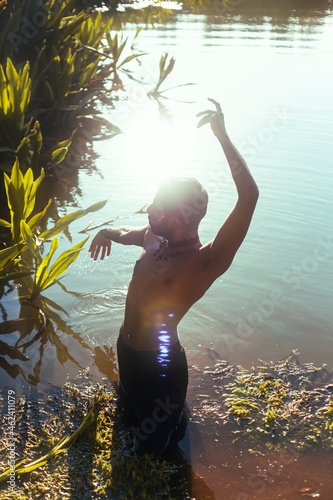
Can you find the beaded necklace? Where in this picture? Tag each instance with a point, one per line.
(162, 250)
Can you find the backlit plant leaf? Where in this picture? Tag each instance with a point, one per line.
(46, 277)
(28, 238)
(30, 195)
(63, 262)
(4, 223)
(42, 270)
(37, 218)
(63, 223)
(9, 254)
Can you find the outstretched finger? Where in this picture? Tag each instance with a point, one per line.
(96, 252)
(91, 250)
(103, 252)
(217, 104)
(207, 112)
(205, 119)
(109, 249)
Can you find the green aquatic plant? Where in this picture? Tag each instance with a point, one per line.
(273, 405)
(90, 459)
(67, 75)
(21, 137)
(21, 195)
(15, 88)
(270, 408)
(114, 49)
(253, 399)
(60, 447)
(165, 69)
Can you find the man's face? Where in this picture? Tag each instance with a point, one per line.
(158, 220)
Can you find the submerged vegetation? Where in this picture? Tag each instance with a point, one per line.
(274, 405)
(96, 463)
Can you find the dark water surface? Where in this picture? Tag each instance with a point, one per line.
(272, 73)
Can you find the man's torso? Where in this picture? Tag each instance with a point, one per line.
(161, 291)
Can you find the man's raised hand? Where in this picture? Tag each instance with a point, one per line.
(215, 118)
(100, 242)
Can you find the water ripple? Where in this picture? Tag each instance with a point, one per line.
(99, 302)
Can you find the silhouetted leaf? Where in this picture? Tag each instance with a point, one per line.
(62, 223)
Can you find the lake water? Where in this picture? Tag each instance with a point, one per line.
(273, 77)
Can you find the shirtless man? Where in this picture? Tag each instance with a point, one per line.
(174, 270)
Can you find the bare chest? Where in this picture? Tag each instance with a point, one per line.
(158, 274)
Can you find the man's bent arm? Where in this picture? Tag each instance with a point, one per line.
(232, 233)
(246, 187)
(125, 235)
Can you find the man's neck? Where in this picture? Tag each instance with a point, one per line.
(185, 242)
(181, 238)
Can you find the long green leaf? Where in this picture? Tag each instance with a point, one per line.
(28, 181)
(12, 78)
(64, 261)
(4, 223)
(58, 156)
(30, 203)
(67, 142)
(4, 99)
(63, 223)
(88, 420)
(15, 200)
(42, 271)
(26, 87)
(29, 240)
(37, 218)
(9, 254)
(13, 276)
(129, 58)
(96, 206)
(17, 177)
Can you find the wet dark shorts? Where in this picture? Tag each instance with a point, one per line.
(153, 384)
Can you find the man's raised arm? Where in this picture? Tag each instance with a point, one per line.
(231, 234)
(125, 235)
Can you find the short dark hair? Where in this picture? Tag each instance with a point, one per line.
(184, 198)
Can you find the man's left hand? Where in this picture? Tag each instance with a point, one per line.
(215, 118)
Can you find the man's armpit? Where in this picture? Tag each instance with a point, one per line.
(215, 264)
